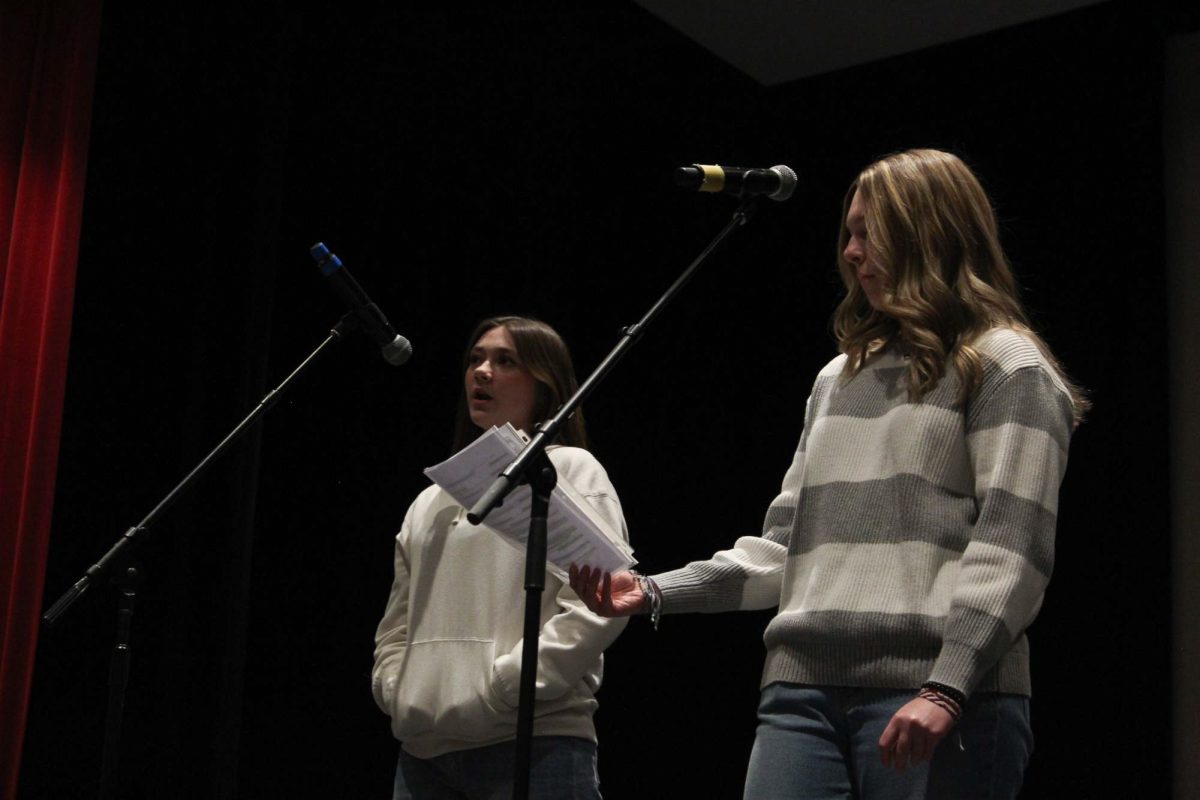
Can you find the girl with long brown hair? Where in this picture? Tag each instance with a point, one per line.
(448, 649)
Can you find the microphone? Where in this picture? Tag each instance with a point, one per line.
(396, 349)
(777, 183)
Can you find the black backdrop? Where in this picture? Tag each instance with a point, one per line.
(465, 162)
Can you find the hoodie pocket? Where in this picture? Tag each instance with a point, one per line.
(444, 690)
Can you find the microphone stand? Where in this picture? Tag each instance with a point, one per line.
(534, 455)
(120, 562)
(542, 479)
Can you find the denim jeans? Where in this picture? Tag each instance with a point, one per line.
(561, 768)
(822, 742)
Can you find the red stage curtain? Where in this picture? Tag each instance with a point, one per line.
(47, 74)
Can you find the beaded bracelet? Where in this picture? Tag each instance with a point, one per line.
(651, 596)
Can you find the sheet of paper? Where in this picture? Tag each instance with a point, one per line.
(575, 533)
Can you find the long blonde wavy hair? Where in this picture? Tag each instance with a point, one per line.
(932, 233)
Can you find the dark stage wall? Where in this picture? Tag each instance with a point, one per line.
(468, 162)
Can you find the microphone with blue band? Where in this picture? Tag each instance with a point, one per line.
(395, 348)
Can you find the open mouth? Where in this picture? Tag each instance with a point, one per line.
(480, 394)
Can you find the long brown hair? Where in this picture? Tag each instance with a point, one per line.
(543, 352)
(933, 234)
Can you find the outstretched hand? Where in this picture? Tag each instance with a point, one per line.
(608, 594)
(912, 734)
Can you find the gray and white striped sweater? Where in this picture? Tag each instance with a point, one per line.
(910, 541)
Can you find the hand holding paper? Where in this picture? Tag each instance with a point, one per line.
(576, 535)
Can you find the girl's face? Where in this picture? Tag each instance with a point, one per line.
(499, 387)
(858, 253)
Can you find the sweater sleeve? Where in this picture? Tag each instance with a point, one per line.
(572, 639)
(748, 575)
(1018, 428)
(391, 635)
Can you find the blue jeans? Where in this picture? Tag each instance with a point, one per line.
(560, 768)
(822, 742)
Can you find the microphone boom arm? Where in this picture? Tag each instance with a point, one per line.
(515, 472)
(134, 535)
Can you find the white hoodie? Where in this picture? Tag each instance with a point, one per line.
(448, 649)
